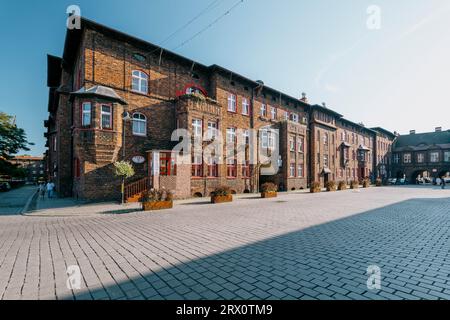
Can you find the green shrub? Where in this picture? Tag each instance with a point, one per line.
(124, 169)
(342, 186)
(221, 191)
(269, 187)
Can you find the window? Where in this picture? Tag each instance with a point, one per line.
(420, 158)
(231, 102)
(86, 114)
(294, 117)
(139, 124)
(447, 156)
(325, 160)
(291, 144)
(325, 139)
(267, 139)
(246, 136)
(246, 169)
(407, 158)
(54, 142)
(212, 130)
(213, 168)
(106, 117)
(139, 81)
(194, 90)
(286, 115)
(231, 135)
(167, 165)
(300, 144)
(245, 107)
(434, 157)
(197, 128)
(231, 167)
(263, 110)
(197, 166)
(300, 171)
(273, 113)
(396, 158)
(292, 170)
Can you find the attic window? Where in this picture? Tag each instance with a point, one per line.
(246, 88)
(139, 57)
(233, 83)
(274, 99)
(195, 76)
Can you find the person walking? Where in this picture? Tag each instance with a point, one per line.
(443, 183)
(50, 188)
(42, 190)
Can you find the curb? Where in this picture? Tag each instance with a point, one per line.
(27, 204)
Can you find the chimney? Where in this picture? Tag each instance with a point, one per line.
(304, 98)
(412, 132)
(324, 104)
(438, 129)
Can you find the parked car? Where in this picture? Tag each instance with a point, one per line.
(4, 186)
(392, 181)
(447, 179)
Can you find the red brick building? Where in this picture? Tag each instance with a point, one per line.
(104, 74)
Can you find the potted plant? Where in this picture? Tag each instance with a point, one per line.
(315, 187)
(269, 190)
(354, 184)
(157, 200)
(342, 186)
(221, 194)
(331, 186)
(366, 183)
(379, 182)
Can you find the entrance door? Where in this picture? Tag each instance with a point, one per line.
(326, 178)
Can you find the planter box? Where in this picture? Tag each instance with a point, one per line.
(269, 194)
(331, 189)
(221, 199)
(316, 190)
(157, 205)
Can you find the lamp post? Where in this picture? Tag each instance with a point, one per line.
(125, 118)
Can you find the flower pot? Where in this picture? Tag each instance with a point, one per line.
(331, 189)
(157, 205)
(316, 190)
(268, 194)
(221, 199)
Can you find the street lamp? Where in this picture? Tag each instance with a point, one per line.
(125, 118)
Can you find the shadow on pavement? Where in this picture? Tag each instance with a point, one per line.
(327, 261)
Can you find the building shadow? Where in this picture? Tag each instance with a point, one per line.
(408, 240)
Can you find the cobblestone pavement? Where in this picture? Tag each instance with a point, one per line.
(297, 246)
(12, 202)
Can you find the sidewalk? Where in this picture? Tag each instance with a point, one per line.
(14, 201)
(70, 207)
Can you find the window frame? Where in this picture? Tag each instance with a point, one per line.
(83, 112)
(140, 77)
(232, 103)
(245, 107)
(102, 113)
(197, 124)
(144, 121)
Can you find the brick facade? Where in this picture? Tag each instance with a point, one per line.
(81, 161)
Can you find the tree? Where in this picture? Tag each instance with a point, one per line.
(12, 138)
(125, 170)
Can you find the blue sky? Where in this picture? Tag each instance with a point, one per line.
(397, 76)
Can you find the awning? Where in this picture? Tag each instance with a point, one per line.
(346, 145)
(363, 148)
(100, 92)
(325, 171)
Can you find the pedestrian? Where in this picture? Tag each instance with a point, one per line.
(443, 183)
(438, 181)
(50, 188)
(42, 190)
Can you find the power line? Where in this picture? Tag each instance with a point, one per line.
(211, 24)
(206, 10)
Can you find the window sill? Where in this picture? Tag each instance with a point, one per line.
(139, 135)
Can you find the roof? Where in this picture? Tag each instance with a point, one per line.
(382, 130)
(324, 109)
(422, 141)
(27, 158)
(358, 125)
(53, 71)
(100, 92)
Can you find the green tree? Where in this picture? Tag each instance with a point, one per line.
(12, 138)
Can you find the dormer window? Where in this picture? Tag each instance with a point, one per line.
(139, 82)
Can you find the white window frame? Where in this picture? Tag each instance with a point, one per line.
(420, 158)
(231, 102)
(263, 111)
(212, 130)
(86, 113)
(294, 117)
(447, 156)
(245, 107)
(292, 170)
(108, 114)
(231, 135)
(142, 81)
(246, 136)
(273, 113)
(291, 144)
(197, 128)
(139, 121)
(434, 159)
(407, 158)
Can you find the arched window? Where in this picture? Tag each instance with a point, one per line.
(194, 90)
(139, 124)
(139, 81)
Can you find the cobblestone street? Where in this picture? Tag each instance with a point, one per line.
(296, 246)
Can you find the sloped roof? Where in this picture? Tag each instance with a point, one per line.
(101, 92)
(422, 141)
